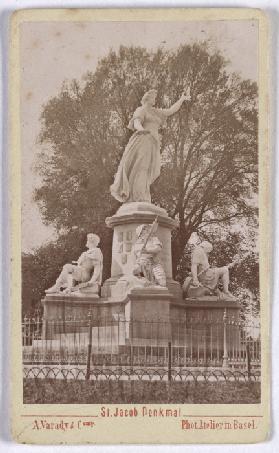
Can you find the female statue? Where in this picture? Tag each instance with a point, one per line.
(140, 163)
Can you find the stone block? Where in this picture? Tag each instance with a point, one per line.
(148, 313)
(66, 314)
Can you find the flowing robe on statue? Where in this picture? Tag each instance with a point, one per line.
(207, 276)
(140, 163)
(86, 263)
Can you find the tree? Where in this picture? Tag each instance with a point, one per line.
(209, 149)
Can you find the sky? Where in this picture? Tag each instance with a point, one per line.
(52, 52)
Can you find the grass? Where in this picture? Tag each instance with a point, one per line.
(55, 391)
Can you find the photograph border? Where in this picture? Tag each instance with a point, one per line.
(22, 415)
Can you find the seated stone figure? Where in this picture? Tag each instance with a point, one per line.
(85, 274)
(204, 279)
(146, 250)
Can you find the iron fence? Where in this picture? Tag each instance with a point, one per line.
(139, 374)
(113, 342)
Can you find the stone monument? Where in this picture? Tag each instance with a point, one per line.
(138, 169)
(141, 286)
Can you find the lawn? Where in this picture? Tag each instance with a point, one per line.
(56, 391)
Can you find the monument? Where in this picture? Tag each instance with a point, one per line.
(141, 285)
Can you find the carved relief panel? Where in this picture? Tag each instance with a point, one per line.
(125, 243)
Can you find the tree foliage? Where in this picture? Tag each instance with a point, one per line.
(209, 148)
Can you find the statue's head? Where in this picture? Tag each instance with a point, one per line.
(93, 240)
(149, 97)
(207, 246)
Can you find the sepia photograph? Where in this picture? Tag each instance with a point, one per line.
(140, 212)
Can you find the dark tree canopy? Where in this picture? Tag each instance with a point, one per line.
(209, 149)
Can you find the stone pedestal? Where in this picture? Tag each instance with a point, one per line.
(201, 332)
(124, 223)
(62, 306)
(70, 314)
(150, 305)
(148, 314)
(211, 329)
(208, 309)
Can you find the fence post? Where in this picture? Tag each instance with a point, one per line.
(225, 356)
(248, 360)
(89, 348)
(169, 361)
(131, 332)
(24, 332)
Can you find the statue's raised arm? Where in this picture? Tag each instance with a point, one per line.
(176, 106)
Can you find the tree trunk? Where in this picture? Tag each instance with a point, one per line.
(179, 243)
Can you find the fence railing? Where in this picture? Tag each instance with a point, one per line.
(138, 374)
(119, 342)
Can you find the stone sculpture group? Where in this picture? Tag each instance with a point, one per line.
(141, 254)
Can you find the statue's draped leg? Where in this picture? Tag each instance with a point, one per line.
(138, 169)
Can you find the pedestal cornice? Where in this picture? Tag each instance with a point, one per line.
(211, 303)
(141, 217)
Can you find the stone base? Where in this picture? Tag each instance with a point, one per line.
(209, 309)
(140, 313)
(142, 207)
(148, 313)
(173, 287)
(149, 304)
(70, 314)
(145, 317)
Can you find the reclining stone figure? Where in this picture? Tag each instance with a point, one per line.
(204, 279)
(83, 274)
